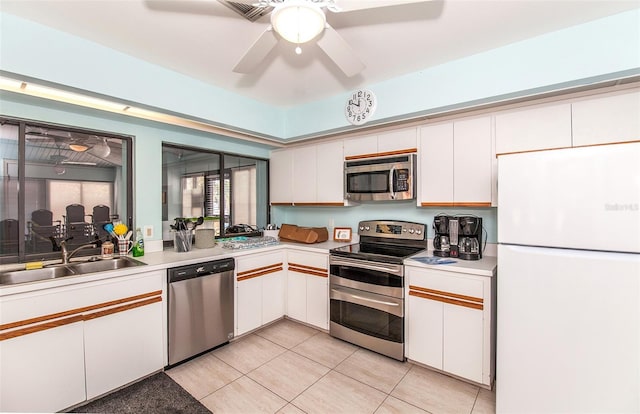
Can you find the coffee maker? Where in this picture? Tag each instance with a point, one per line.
(469, 246)
(441, 244)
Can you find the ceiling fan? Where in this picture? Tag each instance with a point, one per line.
(300, 21)
(76, 142)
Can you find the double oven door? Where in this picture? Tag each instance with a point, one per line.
(367, 304)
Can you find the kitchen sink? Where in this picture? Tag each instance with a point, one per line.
(62, 270)
(103, 265)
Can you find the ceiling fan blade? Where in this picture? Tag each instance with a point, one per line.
(352, 5)
(340, 52)
(257, 52)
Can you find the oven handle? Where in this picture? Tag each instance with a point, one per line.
(346, 296)
(363, 264)
(381, 302)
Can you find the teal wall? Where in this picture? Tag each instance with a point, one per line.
(36, 51)
(595, 51)
(604, 49)
(147, 142)
(393, 210)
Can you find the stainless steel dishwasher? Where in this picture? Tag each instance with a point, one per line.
(200, 308)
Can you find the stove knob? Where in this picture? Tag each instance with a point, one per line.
(411, 231)
(367, 228)
(361, 228)
(418, 232)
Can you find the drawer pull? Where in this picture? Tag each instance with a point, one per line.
(55, 320)
(445, 297)
(259, 271)
(308, 271)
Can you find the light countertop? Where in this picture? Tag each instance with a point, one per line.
(169, 258)
(483, 267)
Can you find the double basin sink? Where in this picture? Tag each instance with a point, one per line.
(69, 269)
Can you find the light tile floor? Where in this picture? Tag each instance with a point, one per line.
(289, 367)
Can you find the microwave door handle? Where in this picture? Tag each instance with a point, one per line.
(391, 189)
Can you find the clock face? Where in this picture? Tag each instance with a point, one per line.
(360, 106)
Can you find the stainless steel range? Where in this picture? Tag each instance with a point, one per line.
(367, 285)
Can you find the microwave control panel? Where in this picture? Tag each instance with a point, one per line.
(401, 180)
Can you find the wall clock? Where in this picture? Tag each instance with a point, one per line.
(360, 106)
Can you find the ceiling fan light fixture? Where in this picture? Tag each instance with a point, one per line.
(78, 147)
(298, 21)
(102, 150)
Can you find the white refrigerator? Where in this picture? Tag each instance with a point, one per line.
(568, 298)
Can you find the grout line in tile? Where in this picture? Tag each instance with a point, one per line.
(475, 401)
(388, 394)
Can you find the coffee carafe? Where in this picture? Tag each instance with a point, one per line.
(441, 244)
(469, 237)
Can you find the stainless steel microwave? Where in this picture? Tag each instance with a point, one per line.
(380, 178)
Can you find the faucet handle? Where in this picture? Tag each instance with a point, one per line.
(55, 247)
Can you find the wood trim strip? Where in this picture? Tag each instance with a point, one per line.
(307, 271)
(381, 154)
(317, 269)
(447, 294)
(573, 146)
(78, 310)
(40, 327)
(122, 308)
(437, 204)
(330, 204)
(282, 204)
(261, 271)
(447, 300)
(456, 204)
(471, 204)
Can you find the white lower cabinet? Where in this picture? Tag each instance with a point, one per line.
(449, 323)
(62, 346)
(42, 371)
(260, 287)
(308, 287)
(122, 347)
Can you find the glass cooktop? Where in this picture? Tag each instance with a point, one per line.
(377, 251)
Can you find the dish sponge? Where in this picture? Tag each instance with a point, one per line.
(33, 265)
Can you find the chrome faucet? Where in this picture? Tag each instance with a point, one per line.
(65, 253)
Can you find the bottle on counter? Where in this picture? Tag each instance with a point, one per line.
(138, 246)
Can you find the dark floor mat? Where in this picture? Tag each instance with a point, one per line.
(156, 394)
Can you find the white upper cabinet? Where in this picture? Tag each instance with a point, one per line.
(455, 167)
(305, 174)
(308, 175)
(608, 119)
(361, 145)
(400, 140)
(404, 140)
(435, 166)
(281, 176)
(330, 172)
(533, 128)
(472, 162)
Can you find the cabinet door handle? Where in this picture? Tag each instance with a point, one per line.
(422, 295)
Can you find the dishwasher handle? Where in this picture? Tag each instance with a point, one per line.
(177, 274)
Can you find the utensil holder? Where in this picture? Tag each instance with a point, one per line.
(182, 241)
(205, 238)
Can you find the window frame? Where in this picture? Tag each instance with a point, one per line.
(223, 170)
(22, 123)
